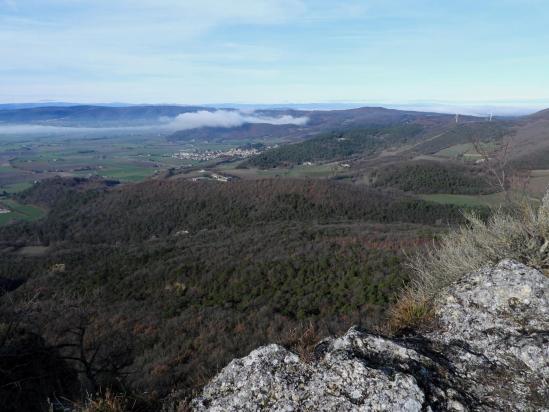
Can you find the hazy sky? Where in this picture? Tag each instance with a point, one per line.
(211, 51)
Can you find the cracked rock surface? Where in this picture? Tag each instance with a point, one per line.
(488, 352)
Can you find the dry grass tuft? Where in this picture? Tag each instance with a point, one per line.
(108, 402)
(409, 312)
(521, 234)
(303, 340)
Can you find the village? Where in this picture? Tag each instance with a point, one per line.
(215, 154)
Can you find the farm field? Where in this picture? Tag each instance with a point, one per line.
(466, 150)
(129, 157)
(19, 212)
(465, 200)
(15, 187)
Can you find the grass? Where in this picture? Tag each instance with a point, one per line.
(128, 173)
(302, 341)
(108, 402)
(494, 199)
(19, 212)
(123, 156)
(322, 170)
(7, 169)
(456, 150)
(520, 233)
(466, 150)
(411, 311)
(15, 187)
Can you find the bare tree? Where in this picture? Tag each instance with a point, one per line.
(99, 354)
(503, 177)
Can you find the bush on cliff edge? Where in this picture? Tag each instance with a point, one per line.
(520, 233)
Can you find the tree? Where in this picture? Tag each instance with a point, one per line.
(100, 359)
(496, 162)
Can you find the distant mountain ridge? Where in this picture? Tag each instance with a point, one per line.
(530, 134)
(321, 121)
(86, 115)
(16, 106)
(66, 114)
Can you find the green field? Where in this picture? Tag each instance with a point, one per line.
(465, 150)
(15, 187)
(124, 156)
(19, 212)
(6, 169)
(127, 173)
(466, 200)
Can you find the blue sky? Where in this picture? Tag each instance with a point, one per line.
(252, 51)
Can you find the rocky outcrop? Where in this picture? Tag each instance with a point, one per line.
(488, 351)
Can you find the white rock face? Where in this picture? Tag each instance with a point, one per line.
(490, 351)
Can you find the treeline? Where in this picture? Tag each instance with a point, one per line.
(335, 145)
(152, 287)
(433, 177)
(49, 192)
(163, 207)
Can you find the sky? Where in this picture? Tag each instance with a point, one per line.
(275, 51)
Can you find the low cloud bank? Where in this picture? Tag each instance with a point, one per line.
(185, 121)
(229, 118)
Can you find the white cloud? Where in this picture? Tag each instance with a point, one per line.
(186, 121)
(229, 118)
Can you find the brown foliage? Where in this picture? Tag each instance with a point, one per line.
(303, 340)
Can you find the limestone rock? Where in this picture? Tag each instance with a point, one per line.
(489, 351)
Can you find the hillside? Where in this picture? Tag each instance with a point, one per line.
(175, 278)
(410, 139)
(470, 320)
(464, 133)
(336, 146)
(424, 176)
(163, 207)
(530, 144)
(541, 115)
(322, 122)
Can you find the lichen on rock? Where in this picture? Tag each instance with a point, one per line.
(489, 351)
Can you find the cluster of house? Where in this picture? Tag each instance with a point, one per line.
(211, 176)
(215, 154)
